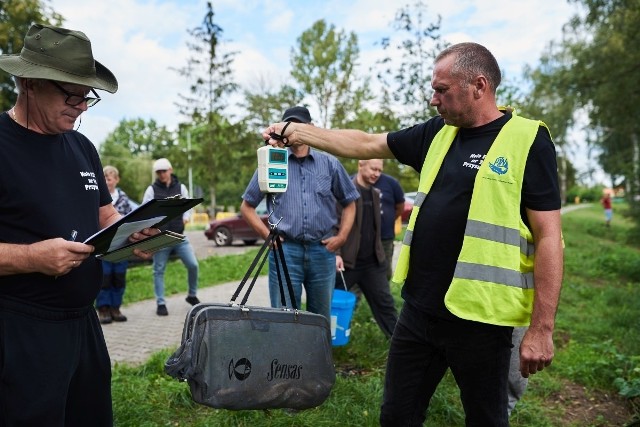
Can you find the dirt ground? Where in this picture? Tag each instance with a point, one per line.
(582, 408)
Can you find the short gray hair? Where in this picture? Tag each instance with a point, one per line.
(472, 60)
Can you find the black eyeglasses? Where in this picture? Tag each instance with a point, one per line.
(75, 100)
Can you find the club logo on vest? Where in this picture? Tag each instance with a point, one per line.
(500, 166)
(241, 369)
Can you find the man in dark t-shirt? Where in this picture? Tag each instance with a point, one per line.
(362, 256)
(54, 363)
(429, 338)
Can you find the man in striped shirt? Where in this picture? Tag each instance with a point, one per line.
(317, 181)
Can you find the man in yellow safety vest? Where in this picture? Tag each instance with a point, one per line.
(483, 249)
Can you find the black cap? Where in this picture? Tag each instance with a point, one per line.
(300, 114)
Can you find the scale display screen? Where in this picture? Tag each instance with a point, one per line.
(277, 156)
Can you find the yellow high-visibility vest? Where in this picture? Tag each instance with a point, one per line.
(493, 279)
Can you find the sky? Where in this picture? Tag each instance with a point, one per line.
(143, 41)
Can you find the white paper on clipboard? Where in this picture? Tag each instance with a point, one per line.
(127, 229)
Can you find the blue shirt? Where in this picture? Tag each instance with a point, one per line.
(390, 195)
(308, 207)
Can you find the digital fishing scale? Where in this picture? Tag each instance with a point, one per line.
(273, 176)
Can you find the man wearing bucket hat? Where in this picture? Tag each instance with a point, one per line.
(54, 364)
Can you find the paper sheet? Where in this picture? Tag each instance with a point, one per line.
(127, 229)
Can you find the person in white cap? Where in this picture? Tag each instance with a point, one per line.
(168, 185)
(54, 363)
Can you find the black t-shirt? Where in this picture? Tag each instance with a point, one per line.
(49, 186)
(439, 229)
(367, 249)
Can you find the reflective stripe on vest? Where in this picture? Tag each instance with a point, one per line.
(493, 279)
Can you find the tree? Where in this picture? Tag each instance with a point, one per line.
(592, 73)
(132, 146)
(265, 105)
(16, 17)
(605, 64)
(226, 157)
(211, 82)
(209, 71)
(324, 65)
(408, 84)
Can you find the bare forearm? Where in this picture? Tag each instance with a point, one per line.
(250, 215)
(548, 270)
(341, 142)
(334, 243)
(346, 221)
(14, 259)
(108, 215)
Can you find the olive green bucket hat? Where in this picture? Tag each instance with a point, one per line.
(54, 53)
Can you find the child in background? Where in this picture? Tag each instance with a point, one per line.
(114, 274)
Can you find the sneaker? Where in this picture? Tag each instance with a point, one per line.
(192, 299)
(104, 314)
(162, 310)
(117, 316)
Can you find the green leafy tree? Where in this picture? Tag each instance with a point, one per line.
(407, 84)
(592, 73)
(605, 64)
(224, 153)
(133, 146)
(16, 17)
(324, 65)
(383, 120)
(265, 104)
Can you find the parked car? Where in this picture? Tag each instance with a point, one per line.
(224, 231)
(408, 205)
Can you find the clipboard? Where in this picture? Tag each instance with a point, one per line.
(154, 213)
(164, 239)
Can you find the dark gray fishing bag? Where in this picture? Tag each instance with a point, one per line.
(238, 357)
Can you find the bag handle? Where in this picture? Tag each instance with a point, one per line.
(292, 298)
(261, 257)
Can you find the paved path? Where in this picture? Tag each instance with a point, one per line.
(145, 333)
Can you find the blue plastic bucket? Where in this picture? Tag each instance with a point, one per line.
(342, 305)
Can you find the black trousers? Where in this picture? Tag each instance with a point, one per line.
(423, 347)
(54, 367)
(372, 282)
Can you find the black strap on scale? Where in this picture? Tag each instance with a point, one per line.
(261, 257)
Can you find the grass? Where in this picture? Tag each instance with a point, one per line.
(212, 270)
(597, 348)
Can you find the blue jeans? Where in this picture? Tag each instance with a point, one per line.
(423, 347)
(114, 276)
(311, 265)
(184, 251)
